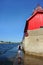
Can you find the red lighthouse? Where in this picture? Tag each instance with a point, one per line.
(33, 33)
(35, 21)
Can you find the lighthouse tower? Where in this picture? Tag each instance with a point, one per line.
(33, 33)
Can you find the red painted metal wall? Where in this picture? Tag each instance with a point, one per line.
(35, 22)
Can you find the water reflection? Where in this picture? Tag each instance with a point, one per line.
(16, 60)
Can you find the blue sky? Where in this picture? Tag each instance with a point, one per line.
(13, 16)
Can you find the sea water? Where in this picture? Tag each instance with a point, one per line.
(8, 50)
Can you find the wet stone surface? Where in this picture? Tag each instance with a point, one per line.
(29, 60)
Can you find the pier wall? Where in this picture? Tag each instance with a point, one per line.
(33, 43)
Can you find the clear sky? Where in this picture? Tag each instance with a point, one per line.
(13, 15)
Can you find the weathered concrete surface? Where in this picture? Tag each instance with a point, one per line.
(33, 43)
